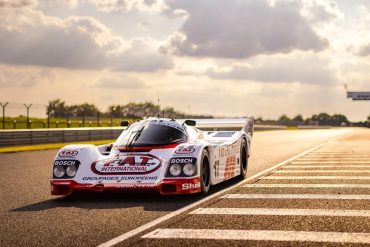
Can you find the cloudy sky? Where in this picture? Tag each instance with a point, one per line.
(220, 57)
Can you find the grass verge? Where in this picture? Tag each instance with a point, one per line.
(38, 147)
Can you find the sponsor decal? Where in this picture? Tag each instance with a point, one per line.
(127, 165)
(66, 163)
(183, 160)
(123, 178)
(68, 153)
(230, 167)
(185, 150)
(189, 186)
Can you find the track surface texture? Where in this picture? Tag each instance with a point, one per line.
(318, 199)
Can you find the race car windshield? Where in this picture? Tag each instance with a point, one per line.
(149, 135)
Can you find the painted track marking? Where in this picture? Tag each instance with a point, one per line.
(323, 186)
(331, 162)
(323, 171)
(260, 235)
(298, 196)
(282, 212)
(325, 166)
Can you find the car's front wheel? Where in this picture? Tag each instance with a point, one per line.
(205, 173)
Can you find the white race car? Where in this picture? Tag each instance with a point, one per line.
(164, 155)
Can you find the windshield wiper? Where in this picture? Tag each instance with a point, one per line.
(130, 143)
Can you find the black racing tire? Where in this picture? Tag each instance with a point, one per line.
(243, 159)
(205, 173)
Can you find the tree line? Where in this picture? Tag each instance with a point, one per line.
(316, 119)
(59, 109)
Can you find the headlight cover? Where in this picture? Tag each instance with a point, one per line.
(188, 169)
(175, 170)
(65, 169)
(59, 171)
(71, 171)
(182, 167)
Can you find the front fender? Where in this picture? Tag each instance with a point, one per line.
(85, 154)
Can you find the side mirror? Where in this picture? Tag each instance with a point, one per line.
(125, 123)
(190, 122)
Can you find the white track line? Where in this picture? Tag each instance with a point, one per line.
(153, 223)
(317, 177)
(298, 196)
(320, 186)
(282, 212)
(331, 162)
(334, 160)
(323, 171)
(325, 166)
(260, 235)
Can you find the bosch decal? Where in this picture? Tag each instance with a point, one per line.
(66, 163)
(127, 165)
(184, 160)
(68, 153)
(185, 150)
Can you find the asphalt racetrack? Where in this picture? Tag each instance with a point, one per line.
(321, 198)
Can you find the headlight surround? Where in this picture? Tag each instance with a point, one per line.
(59, 171)
(188, 169)
(175, 170)
(71, 171)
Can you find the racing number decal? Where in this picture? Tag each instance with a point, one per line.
(217, 168)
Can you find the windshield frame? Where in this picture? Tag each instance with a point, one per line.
(131, 136)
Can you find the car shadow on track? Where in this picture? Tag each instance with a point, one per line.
(149, 201)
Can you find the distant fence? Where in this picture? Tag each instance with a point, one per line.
(40, 136)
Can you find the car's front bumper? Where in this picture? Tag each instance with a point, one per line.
(165, 187)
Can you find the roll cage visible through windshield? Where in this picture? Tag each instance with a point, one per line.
(150, 134)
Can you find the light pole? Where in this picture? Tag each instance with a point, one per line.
(4, 106)
(28, 114)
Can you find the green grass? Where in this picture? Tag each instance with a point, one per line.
(40, 123)
(39, 147)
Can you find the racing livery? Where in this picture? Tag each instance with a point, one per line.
(156, 154)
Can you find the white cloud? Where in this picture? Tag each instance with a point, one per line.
(18, 3)
(13, 77)
(306, 70)
(128, 5)
(241, 29)
(121, 82)
(28, 37)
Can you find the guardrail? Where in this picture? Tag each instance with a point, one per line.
(40, 136)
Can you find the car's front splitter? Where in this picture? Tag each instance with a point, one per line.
(165, 187)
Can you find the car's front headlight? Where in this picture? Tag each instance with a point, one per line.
(59, 171)
(71, 171)
(175, 170)
(189, 169)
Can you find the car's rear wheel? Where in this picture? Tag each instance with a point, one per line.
(243, 159)
(205, 173)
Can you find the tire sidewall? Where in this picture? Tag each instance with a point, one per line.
(205, 187)
(243, 170)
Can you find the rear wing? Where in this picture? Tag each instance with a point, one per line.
(238, 124)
